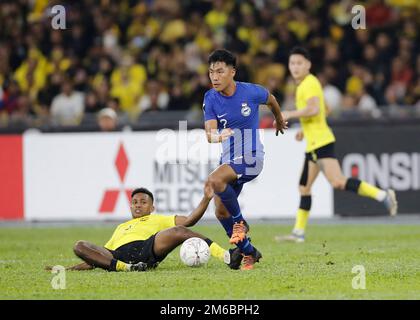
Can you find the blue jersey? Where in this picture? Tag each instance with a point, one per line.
(240, 113)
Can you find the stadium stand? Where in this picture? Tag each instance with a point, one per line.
(147, 59)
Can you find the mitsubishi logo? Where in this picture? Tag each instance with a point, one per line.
(110, 197)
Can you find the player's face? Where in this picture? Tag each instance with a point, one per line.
(299, 66)
(221, 75)
(141, 205)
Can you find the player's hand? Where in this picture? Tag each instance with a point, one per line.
(280, 126)
(226, 134)
(208, 191)
(299, 135)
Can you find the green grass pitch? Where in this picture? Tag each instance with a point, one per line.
(320, 268)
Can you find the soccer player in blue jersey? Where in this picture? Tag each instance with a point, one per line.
(231, 118)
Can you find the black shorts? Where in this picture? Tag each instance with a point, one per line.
(326, 151)
(137, 251)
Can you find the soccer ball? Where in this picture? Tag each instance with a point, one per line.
(194, 252)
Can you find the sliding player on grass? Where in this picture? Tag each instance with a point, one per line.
(231, 118)
(144, 241)
(320, 140)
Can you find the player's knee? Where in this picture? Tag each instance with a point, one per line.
(181, 231)
(304, 190)
(216, 183)
(79, 248)
(338, 184)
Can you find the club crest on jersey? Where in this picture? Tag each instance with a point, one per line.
(246, 110)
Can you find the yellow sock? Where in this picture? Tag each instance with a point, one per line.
(367, 190)
(217, 251)
(301, 220)
(122, 266)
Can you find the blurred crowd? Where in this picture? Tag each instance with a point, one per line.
(124, 58)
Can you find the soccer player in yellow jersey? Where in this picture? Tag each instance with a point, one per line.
(143, 242)
(320, 140)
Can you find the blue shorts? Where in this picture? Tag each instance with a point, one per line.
(246, 170)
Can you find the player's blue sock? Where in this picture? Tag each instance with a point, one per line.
(246, 247)
(230, 200)
(227, 224)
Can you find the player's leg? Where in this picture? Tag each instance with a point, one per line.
(309, 174)
(92, 254)
(168, 239)
(226, 221)
(247, 169)
(223, 215)
(250, 253)
(103, 258)
(332, 171)
(220, 180)
(305, 190)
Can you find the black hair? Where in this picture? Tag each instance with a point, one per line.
(142, 190)
(223, 55)
(302, 51)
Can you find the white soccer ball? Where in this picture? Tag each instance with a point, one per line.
(194, 252)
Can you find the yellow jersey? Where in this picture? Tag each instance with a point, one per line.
(139, 229)
(315, 129)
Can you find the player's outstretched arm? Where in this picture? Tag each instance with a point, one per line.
(81, 267)
(78, 267)
(311, 109)
(198, 212)
(274, 106)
